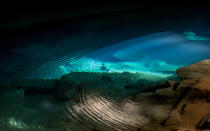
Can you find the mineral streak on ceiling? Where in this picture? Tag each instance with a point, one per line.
(160, 54)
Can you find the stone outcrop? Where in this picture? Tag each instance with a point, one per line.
(197, 70)
(192, 111)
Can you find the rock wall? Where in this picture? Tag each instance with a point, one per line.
(192, 111)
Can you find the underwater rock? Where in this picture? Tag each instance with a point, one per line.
(168, 92)
(196, 71)
(192, 107)
(196, 76)
(71, 85)
(188, 112)
(195, 105)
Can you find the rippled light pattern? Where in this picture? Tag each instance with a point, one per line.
(160, 53)
(105, 113)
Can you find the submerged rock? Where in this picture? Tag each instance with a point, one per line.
(198, 70)
(192, 111)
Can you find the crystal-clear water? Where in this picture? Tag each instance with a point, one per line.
(160, 53)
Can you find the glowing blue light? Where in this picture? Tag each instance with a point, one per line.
(158, 54)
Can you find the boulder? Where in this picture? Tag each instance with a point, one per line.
(190, 112)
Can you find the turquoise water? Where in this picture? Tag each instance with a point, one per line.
(159, 53)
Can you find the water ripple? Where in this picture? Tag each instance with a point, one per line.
(95, 111)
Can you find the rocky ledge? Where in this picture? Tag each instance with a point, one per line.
(192, 110)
